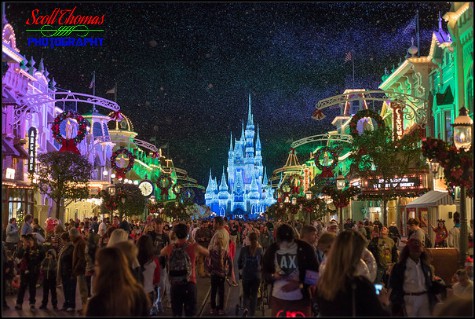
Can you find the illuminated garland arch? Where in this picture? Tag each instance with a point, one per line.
(120, 171)
(69, 144)
(362, 114)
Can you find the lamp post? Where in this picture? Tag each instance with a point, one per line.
(340, 185)
(463, 140)
(308, 197)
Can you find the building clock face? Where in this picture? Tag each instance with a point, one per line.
(146, 187)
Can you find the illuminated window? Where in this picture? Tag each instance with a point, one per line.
(448, 126)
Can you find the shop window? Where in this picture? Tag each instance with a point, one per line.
(447, 126)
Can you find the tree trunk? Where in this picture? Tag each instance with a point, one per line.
(58, 209)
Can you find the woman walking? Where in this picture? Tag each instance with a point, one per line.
(250, 261)
(219, 266)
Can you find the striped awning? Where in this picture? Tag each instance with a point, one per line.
(431, 199)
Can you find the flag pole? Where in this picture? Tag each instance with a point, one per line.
(417, 35)
(94, 89)
(353, 62)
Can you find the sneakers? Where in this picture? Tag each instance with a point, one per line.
(32, 307)
(18, 307)
(69, 309)
(43, 307)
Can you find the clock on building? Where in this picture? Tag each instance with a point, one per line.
(146, 187)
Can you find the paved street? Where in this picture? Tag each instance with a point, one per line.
(203, 305)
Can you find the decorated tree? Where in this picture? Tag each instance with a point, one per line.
(63, 176)
(376, 155)
(457, 164)
(128, 200)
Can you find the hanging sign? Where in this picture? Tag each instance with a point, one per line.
(32, 132)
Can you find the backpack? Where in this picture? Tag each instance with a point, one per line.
(179, 265)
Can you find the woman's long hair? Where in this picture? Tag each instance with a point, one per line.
(114, 285)
(254, 243)
(343, 258)
(145, 246)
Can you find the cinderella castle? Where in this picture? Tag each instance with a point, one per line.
(246, 192)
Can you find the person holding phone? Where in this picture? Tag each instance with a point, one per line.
(341, 290)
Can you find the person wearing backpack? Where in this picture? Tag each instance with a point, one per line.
(218, 265)
(250, 263)
(181, 257)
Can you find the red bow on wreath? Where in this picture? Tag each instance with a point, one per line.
(120, 173)
(326, 172)
(117, 116)
(68, 145)
(155, 155)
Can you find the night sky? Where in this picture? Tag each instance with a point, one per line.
(186, 69)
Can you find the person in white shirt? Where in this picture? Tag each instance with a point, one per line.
(102, 228)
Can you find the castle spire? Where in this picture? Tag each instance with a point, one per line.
(258, 140)
(265, 180)
(243, 138)
(231, 143)
(223, 185)
(250, 119)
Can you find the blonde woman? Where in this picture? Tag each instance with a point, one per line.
(341, 290)
(117, 236)
(117, 292)
(219, 267)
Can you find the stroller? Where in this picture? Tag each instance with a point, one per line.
(157, 304)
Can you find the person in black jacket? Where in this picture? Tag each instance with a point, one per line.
(285, 265)
(342, 290)
(412, 291)
(65, 273)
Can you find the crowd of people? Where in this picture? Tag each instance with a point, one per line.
(136, 268)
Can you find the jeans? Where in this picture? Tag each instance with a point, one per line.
(49, 284)
(69, 290)
(183, 295)
(217, 287)
(30, 279)
(82, 289)
(249, 291)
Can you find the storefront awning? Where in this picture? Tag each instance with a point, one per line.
(8, 149)
(431, 199)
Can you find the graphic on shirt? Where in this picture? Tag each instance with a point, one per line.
(287, 263)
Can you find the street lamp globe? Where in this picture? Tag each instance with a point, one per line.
(112, 175)
(463, 130)
(105, 173)
(434, 166)
(340, 181)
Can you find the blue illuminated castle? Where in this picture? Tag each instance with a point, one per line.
(247, 190)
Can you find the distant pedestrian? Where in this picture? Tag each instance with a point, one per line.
(49, 270)
(65, 273)
(30, 254)
(12, 235)
(250, 263)
(27, 228)
(181, 257)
